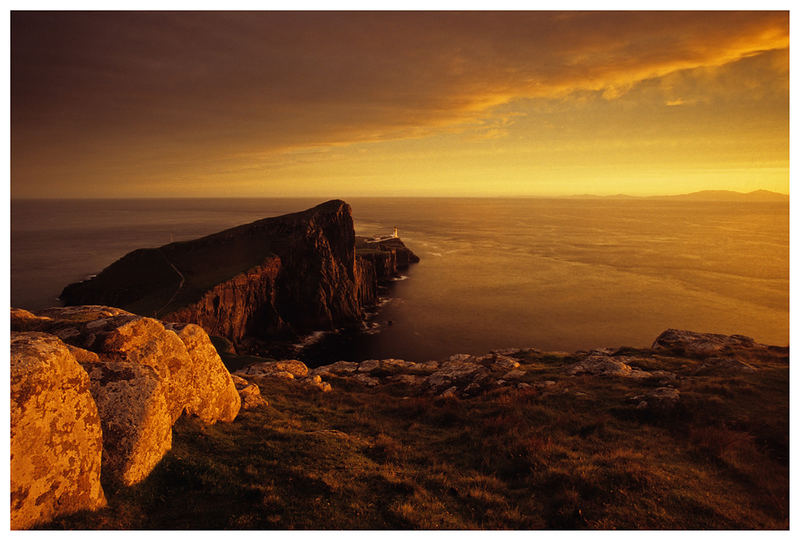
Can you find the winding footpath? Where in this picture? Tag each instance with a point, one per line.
(180, 285)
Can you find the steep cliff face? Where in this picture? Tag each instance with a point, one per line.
(288, 274)
(244, 305)
(366, 281)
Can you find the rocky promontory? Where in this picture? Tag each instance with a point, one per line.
(271, 278)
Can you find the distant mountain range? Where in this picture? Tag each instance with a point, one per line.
(705, 195)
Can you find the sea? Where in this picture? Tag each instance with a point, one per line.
(554, 274)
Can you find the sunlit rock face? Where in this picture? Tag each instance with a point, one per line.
(291, 370)
(139, 376)
(214, 397)
(56, 439)
(250, 393)
(137, 427)
(190, 370)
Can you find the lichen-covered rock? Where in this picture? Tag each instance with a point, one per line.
(366, 380)
(407, 379)
(288, 369)
(694, 344)
(454, 372)
(145, 341)
(143, 376)
(503, 362)
(214, 396)
(339, 368)
(249, 392)
(599, 363)
(385, 366)
(659, 399)
(369, 366)
(514, 374)
(731, 365)
(23, 320)
(137, 425)
(315, 382)
(86, 312)
(428, 367)
(193, 377)
(56, 439)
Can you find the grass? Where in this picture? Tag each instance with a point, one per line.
(523, 459)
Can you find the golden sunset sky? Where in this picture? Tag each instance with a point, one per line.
(385, 104)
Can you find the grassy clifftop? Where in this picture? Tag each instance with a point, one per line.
(565, 450)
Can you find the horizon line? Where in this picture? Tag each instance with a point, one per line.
(331, 197)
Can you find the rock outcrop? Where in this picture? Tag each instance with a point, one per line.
(250, 393)
(465, 376)
(459, 375)
(273, 277)
(291, 369)
(213, 397)
(707, 345)
(137, 425)
(56, 439)
(140, 375)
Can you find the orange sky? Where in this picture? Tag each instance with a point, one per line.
(442, 104)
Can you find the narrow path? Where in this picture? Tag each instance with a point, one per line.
(180, 285)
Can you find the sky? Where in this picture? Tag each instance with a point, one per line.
(338, 104)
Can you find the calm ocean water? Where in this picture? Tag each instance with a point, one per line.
(553, 274)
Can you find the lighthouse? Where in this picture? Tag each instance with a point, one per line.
(394, 235)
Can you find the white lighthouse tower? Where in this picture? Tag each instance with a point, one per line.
(394, 235)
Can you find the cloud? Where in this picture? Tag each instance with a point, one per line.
(675, 102)
(203, 86)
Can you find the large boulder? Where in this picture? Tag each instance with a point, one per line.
(215, 397)
(142, 377)
(704, 345)
(289, 369)
(193, 377)
(146, 342)
(137, 426)
(56, 438)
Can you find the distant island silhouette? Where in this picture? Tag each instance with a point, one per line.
(704, 195)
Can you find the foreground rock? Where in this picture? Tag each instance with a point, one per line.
(137, 426)
(286, 370)
(56, 439)
(460, 375)
(282, 275)
(214, 396)
(141, 377)
(465, 375)
(192, 375)
(708, 345)
(250, 394)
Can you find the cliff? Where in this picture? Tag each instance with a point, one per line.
(378, 261)
(273, 277)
